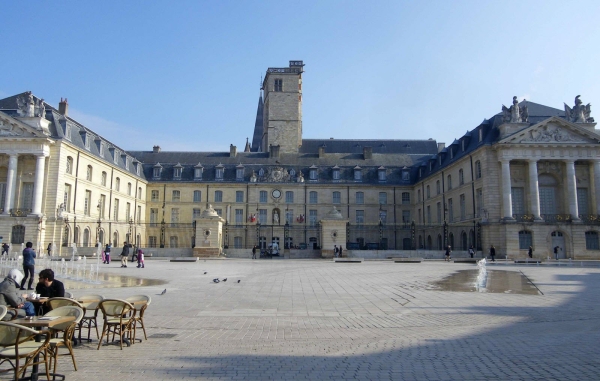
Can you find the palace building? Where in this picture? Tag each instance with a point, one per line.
(527, 176)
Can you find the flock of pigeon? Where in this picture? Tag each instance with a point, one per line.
(216, 280)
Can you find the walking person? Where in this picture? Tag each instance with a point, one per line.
(140, 258)
(493, 253)
(107, 254)
(49, 249)
(124, 254)
(335, 251)
(448, 251)
(28, 265)
(555, 254)
(530, 252)
(5, 248)
(254, 252)
(340, 253)
(471, 251)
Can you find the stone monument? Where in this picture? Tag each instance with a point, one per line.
(209, 234)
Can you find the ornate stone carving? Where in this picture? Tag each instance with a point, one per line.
(25, 105)
(40, 108)
(550, 167)
(10, 129)
(514, 113)
(551, 134)
(300, 177)
(277, 175)
(579, 113)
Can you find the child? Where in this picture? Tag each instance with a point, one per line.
(140, 258)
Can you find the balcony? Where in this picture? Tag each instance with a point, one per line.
(523, 217)
(556, 218)
(590, 219)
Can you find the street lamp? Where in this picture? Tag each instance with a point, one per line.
(130, 230)
(99, 222)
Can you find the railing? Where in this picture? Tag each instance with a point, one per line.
(20, 212)
(523, 217)
(556, 218)
(590, 219)
(295, 70)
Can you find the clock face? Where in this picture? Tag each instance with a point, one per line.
(276, 193)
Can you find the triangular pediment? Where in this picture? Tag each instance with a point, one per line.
(14, 128)
(553, 130)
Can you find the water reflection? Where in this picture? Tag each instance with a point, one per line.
(112, 281)
(498, 281)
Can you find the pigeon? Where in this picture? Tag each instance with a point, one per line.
(205, 273)
(164, 292)
(239, 281)
(216, 280)
(225, 280)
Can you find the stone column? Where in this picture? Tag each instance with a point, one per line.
(38, 185)
(572, 190)
(506, 191)
(11, 183)
(534, 190)
(597, 185)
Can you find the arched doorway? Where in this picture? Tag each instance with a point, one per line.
(558, 242)
(439, 242)
(429, 243)
(463, 237)
(451, 241)
(86, 237)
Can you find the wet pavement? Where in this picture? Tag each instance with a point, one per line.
(498, 281)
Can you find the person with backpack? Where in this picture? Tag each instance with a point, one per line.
(124, 254)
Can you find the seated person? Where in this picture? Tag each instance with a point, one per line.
(48, 287)
(10, 297)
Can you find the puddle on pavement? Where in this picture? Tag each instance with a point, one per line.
(498, 281)
(111, 281)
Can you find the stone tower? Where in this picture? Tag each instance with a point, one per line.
(282, 109)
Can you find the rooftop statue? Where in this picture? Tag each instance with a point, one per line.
(25, 105)
(40, 108)
(514, 113)
(579, 113)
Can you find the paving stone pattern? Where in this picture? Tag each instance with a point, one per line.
(318, 320)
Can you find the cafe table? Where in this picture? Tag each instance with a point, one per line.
(40, 323)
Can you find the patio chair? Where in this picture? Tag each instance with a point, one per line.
(69, 295)
(141, 302)
(117, 319)
(91, 305)
(17, 343)
(3, 311)
(68, 330)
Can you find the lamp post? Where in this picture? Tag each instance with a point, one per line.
(99, 222)
(130, 230)
(258, 235)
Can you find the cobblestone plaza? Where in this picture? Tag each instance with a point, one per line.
(377, 320)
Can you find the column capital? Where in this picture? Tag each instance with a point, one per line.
(569, 161)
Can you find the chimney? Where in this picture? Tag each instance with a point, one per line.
(274, 151)
(367, 153)
(232, 150)
(441, 146)
(156, 149)
(321, 151)
(63, 107)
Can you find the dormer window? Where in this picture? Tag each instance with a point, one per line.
(336, 173)
(462, 145)
(405, 174)
(116, 154)
(101, 149)
(198, 170)
(313, 173)
(239, 173)
(480, 134)
(292, 172)
(138, 166)
(451, 153)
(87, 138)
(67, 132)
(357, 173)
(177, 170)
(156, 171)
(126, 162)
(261, 172)
(381, 175)
(440, 160)
(219, 171)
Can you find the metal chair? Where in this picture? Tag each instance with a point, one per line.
(140, 302)
(3, 311)
(68, 330)
(18, 343)
(119, 318)
(69, 295)
(91, 306)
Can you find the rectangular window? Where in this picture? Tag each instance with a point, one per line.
(582, 201)
(278, 85)
(27, 196)
(312, 217)
(153, 216)
(336, 174)
(360, 217)
(429, 214)
(382, 198)
(405, 176)
(174, 217)
(237, 242)
(525, 239)
(289, 216)
(518, 200)
(126, 163)
(103, 179)
(360, 198)
(86, 202)
(289, 197)
(337, 198)
(152, 241)
(218, 196)
(196, 213)
(66, 198)
(450, 210)
(219, 173)
(479, 201)
(102, 205)
(591, 240)
(383, 216)
(262, 197)
(406, 216)
(154, 196)
(463, 208)
(219, 212)
(118, 184)
(419, 215)
(313, 197)
(197, 196)
(176, 197)
(439, 212)
(116, 210)
(239, 216)
(156, 172)
(239, 196)
(405, 198)
(262, 216)
(198, 173)
(139, 214)
(68, 132)
(239, 174)
(129, 189)
(116, 154)
(128, 211)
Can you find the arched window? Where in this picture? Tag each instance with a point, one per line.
(451, 240)
(525, 239)
(86, 238)
(437, 187)
(463, 239)
(88, 174)
(115, 239)
(439, 242)
(428, 192)
(449, 182)
(101, 237)
(173, 241)
(313, 197)
(117, 184)
(461, 177)
(76, 235)
(429, 243)
(591, 240)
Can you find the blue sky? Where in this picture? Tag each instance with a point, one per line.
(185, 74)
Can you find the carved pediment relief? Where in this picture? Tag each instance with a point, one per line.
(553, 131)
(10, 127)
